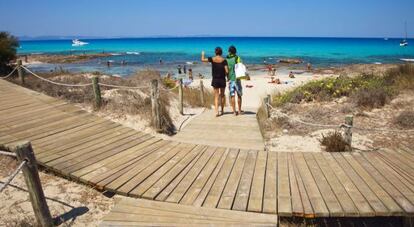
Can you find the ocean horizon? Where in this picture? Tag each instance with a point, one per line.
(146, 52)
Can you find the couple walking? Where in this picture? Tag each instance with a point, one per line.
(224, 69)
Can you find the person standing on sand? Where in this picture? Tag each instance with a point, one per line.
(179, 69)
(185, 69)
(219, 71)
(235, 85)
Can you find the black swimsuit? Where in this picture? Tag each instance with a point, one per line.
(218, 73)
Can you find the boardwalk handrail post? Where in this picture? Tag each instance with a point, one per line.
(24, 152)
(349, 122)
(181, 96)
(202, 93)
(155, 105)
(266, 103)
(97, 92)
(20, 71)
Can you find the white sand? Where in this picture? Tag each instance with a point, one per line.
(252, 97)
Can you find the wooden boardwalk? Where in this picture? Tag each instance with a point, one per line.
(109, 156)
(228, 131)
(138, 212)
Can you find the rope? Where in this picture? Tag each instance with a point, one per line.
(56, 83)
(11, 73)
(122, 87)
(341, 125)
(304, 122)
(8, 153)
(12, 176)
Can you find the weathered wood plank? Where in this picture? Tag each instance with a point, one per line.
(270, 191)
(258, 184)
(243, 190)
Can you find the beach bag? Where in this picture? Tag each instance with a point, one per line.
(240, 70)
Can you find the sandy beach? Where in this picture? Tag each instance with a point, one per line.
(259, 85)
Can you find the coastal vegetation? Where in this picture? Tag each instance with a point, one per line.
(382, 100)
(366, 90)
(8, 46)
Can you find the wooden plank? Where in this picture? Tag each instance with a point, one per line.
(177, 194)
(385, 183)
(107, 153)
(87, 135)
(397, 181)
(201, 211)
(54, 128)
(209, 184)
(199, 183)
(341, 194)
(402, 167)
(49, 128)
(117, 162)
(149, 170)
(184, 150)
(270, 191)
(359, 200)
(112, 171)
(163, 195)
(362, 186)
(393, 208)
(70, 134)
(214, 194)
(68, 159)
(301, 204)
(229, 192)
(172, 177)
(284, 205)
(243, 191)
(328, 195)
(138, 167)
(258, 184)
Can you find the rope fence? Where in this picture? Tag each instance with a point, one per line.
(335, 126)
(12, 176)
(10, 74)
(24, 154)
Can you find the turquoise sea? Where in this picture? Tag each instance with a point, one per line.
(146, 52)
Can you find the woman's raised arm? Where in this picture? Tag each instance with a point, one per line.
(203, 57)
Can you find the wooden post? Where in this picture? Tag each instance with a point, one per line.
(266, 107)
(155, 105)
(349, 122)
(202, 93)
(20, 71)
(181, 96)
(97, 92)
(24, 152)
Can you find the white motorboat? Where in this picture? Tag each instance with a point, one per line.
(404, 42)
(77, 43)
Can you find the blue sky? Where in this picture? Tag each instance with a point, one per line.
(137, 18)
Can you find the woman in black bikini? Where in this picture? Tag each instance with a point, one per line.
(219, 72)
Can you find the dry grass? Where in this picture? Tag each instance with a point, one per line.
(371, 97)
(405, 119)
(334, 142)
(192, 97)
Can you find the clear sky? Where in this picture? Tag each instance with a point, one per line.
(138, 18)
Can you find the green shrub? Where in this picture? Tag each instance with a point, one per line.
(334, 142)
(8, 46)
(367, 90)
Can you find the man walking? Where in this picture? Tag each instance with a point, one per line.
(235, 86)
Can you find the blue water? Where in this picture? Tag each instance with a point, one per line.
(140, 52)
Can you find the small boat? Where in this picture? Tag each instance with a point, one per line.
(77, 43)
(404, 42)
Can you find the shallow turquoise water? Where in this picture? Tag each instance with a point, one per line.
(173, 51)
